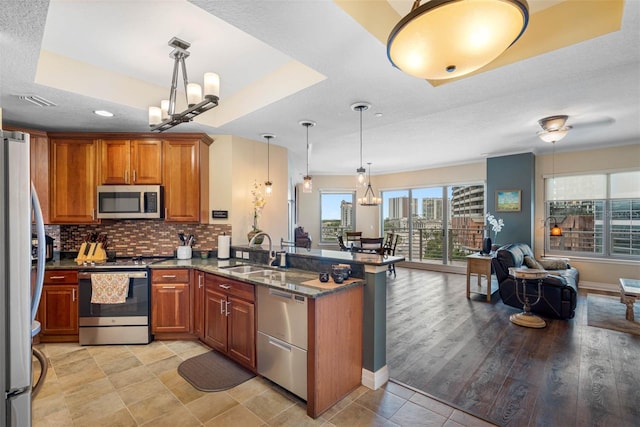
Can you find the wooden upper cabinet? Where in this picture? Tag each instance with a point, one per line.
(186, 180)
(73, 180)
(40, 170)
(39, 166)
(124, 161)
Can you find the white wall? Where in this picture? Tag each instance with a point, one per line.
(236, 163)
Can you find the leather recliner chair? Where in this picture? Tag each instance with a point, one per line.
(559, 289)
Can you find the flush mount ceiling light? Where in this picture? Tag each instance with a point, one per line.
(361, 106)
(268, 185)
(369, 198)
(443, 39)
(307, 185)
(165, 117)
(553, 128)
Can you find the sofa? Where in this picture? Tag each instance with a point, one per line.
(559, 289)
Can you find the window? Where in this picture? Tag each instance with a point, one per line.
(599, 214)
(337, 215)
(435, 224)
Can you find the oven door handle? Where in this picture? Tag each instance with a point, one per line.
(131, 274)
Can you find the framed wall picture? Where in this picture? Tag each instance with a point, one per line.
(508, 200)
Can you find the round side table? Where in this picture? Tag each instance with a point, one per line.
(527, 318)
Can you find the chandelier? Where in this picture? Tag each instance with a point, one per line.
(369, 198)
(443, 39)
(268, 185)
(165, 117)
(360, 106)
(307, 185)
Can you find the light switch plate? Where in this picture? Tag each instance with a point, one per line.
(239, 254)
(245, 255)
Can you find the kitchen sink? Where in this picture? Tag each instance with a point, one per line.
(246, 269)
(261, 273)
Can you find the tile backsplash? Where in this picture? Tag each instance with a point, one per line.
(139, 237)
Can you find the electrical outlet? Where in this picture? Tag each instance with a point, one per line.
(245, 255)
(239, 254)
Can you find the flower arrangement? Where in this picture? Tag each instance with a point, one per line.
(496, 224)
(258, 203)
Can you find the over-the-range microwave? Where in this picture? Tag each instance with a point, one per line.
(130, 201)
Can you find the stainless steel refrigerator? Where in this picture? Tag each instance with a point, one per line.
(18, 301)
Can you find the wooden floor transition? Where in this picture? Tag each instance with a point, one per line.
(467, 353)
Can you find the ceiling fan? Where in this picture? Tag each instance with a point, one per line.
(555, 128)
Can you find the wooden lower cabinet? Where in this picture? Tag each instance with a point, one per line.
(334, 353)
(58, 309)
(170, 302)
(229, 318)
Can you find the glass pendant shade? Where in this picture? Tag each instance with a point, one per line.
(268, 185)
(444, 39)
(361, 172)
(307, 185)
(555, 231)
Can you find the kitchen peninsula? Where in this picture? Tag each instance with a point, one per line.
(345, 323)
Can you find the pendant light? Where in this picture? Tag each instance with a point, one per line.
(268, 185)
(361, 171)
(165, 117)
(307, 185)
(369, 198)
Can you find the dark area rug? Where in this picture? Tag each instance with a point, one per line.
(609, 313)
(213, 372)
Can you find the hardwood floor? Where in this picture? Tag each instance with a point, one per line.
(468, 354)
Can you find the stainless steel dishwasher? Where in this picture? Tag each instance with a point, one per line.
(282, 339)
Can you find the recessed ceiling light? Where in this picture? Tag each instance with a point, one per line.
(103, 113)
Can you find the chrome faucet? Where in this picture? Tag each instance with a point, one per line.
(272, 257)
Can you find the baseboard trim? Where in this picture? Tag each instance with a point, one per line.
(375, 380)
(596, 286)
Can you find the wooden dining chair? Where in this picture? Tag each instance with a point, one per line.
(391, 250)
(353, 237)
(373, 244)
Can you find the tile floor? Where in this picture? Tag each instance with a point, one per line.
(140, 386)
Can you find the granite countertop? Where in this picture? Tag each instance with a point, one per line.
(364, 258)
(290, 279)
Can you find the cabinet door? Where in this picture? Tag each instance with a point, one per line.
(181, 180)
(146, 161)
(242, 339)
(115, 158)
(59, 309)
(73, 181)
(170, 307)
(40, 170)
(199, 303)
(215, 319)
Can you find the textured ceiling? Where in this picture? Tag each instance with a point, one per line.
(284, 61)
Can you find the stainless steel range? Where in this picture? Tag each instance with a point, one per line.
(115, 323)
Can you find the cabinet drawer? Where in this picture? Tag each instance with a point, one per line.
(170, 276)
(233, 287)
(57, 276)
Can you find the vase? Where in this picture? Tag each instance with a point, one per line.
(252, 233)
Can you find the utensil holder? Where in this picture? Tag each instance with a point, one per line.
(183, 252)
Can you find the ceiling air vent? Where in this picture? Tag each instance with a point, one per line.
(37, 100)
